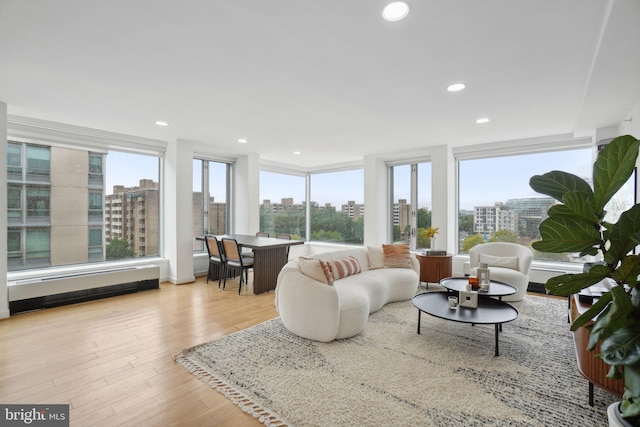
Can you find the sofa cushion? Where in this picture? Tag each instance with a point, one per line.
(397, 256)
(500, 261)
(316, 270)
(376, 257)
(344, 267)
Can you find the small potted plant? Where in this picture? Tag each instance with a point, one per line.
(577, 224)
(430, 233)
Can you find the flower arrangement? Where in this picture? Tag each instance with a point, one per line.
(431, 232)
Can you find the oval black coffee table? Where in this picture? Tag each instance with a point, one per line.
(489, 311)
(496, 288)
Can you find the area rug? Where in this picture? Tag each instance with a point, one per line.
(390, 375)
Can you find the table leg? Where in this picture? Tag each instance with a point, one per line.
(497, 353)
(419, 316)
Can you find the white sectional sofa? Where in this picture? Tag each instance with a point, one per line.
(313, 309)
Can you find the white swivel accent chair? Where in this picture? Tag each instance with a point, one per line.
(508, 263)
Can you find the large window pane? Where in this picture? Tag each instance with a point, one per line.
(198, 220)
(337, 209)
(497, 204)
(133, 205)
(217, 207)
(401, 218)
(210, 193)
(283, 207)
(47, 224)
(411, 193)
(424, 208)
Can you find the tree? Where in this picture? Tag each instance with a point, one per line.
(504, 236)
(424, 218)
(465, 223)
(470, 242)
(119, 249)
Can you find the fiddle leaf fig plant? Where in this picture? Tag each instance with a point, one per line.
(577, 224)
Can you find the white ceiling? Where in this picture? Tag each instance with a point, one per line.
(328, 78)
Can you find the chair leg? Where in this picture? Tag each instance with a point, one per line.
(209, 272)
(224, 283)
(221, 272)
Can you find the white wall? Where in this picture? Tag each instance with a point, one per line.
(375, 201)
(178, 208)
(443, 197)
(246, 195)
(631, 124)
(4, 293)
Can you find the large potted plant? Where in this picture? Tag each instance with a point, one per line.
(577, 224)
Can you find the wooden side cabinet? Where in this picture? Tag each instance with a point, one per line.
(434, 268)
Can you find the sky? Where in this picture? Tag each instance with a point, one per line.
(480, 185)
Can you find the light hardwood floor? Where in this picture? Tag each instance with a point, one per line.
(111, 359)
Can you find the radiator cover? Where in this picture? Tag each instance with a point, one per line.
(46, 292)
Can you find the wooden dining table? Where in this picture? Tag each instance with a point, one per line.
(270, 255)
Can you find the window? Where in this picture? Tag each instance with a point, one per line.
(44, 196)
(95, 244)
(38, 247)
(283, 204)
(14, 161)
(336, 207)
(95, 206)
(37, 203)
(411, 209)
(14, 248)
(14, 203)
(496, 202)
(38, 162)
(132, 192)
(96, 175)
(211, 189)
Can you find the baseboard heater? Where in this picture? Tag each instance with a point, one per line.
(53, 291)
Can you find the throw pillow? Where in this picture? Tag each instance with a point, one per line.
(344, 267)
(326, 270)
(314, 269)
(500, 261)
(397, 256)
(376, 257)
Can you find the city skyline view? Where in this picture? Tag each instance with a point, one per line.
(477, 188)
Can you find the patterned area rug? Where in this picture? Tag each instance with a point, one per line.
(390, 375)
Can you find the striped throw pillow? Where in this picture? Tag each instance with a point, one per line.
(397, 256)
(339, 269)
(344, 267)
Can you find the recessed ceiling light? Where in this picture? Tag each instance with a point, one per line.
(242, 141)
(395, 11)
(456, 87)
(162, 123)
(482, 120)
(296, 152)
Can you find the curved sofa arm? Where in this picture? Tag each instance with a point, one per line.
(307, 308)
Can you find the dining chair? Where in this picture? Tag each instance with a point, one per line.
(216, 256)
(262, 234)
(249, 253)
(236, 261)
(286, 237)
